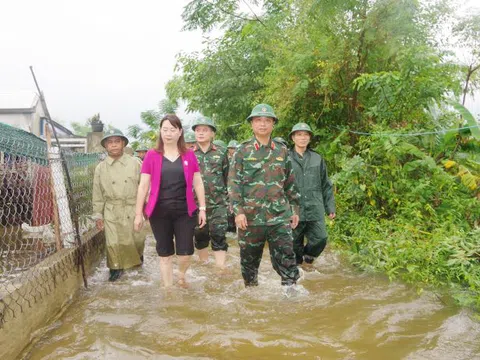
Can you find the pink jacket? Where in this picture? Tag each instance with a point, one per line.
(152, 165)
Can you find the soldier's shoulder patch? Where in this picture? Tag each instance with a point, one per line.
(251, 159)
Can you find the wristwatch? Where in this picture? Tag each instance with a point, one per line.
(202, 208)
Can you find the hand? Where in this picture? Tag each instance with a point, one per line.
(332, 216)
(294, 221)
(241, 221)
(100, 224)
(202, 218)
(138, 222)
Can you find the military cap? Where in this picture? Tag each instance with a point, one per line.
(204, 121)
(300, 127)
(112, 133)
(189, 137)
(232, 144)
(281, 140)
(142, 147)
(220, 143)
(263, 110)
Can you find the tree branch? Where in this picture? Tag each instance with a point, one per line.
(229, 13)
(253, 12)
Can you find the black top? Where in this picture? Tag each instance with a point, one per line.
(173, 186)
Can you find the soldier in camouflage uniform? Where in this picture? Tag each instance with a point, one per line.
(265, 200)
(213, 163)
(232, 146)
(220, 143)
(317, 198)
(141, 151)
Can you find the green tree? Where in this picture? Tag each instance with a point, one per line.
(467, 33)
(146, 133)
(366, 75)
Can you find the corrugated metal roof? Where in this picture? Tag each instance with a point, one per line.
(18, 100)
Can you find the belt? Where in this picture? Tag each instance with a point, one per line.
(121, 202)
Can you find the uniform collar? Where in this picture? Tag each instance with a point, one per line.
(257, 145)
(211, 147)
(122, 159)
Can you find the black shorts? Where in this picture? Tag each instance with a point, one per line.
(169, 221)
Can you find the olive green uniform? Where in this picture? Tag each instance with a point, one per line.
(317, 198)
(115, 187)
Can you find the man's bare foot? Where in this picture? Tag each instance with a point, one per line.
(182, 283)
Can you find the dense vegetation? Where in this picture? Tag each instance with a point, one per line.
(367, 75)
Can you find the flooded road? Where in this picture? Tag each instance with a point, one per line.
(336, 314)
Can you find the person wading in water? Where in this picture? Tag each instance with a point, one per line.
(317, 198)
(115, 186)
(171, 172)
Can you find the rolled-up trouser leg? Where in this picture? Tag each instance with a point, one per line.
(316, 234)
(202, 236)
(280, 243)
(251, 242)
(218, 228)
(299, 241)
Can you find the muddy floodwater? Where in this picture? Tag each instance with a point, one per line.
(337, 313)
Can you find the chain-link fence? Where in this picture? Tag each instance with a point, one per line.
(38, 211)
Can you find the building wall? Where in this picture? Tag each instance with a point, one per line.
(20, 121)
(36, 119)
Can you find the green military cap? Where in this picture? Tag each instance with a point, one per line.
(232, 144)
(189, 137)
(204, 121)
(220, 143)
(300, 127)
(142, 147)
(112, 133)
(280, 140)
(263, 110)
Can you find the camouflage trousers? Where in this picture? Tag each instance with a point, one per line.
(316, 234)
(280, 244)
(214, 230)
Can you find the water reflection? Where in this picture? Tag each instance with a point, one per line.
(336, 314)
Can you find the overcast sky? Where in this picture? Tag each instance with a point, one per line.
(107, 56)
(89, 56)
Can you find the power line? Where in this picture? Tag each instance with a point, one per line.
(408, 134)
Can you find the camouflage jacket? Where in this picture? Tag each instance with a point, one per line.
(261, 183)
(214, 170)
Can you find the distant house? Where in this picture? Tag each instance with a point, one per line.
(23, 110)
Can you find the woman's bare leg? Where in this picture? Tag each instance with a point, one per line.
(166, 270)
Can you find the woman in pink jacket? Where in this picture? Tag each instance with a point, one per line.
(171, 173)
